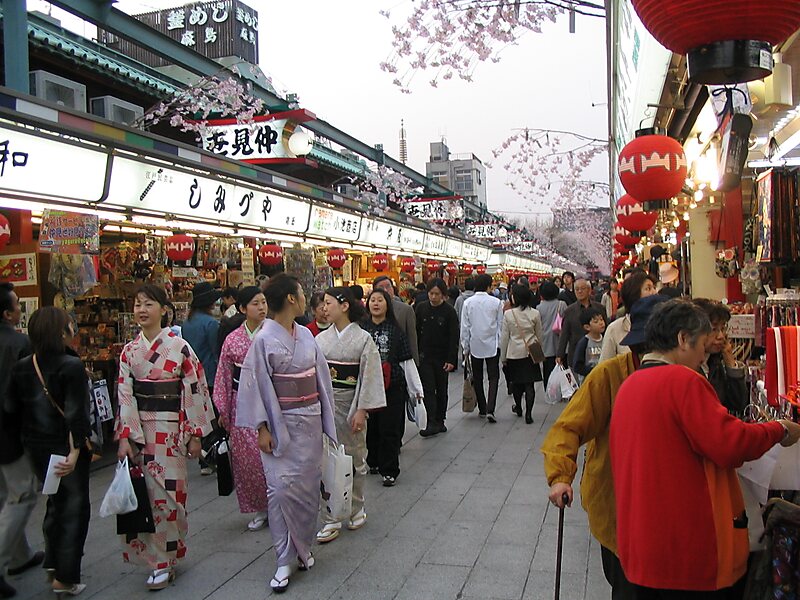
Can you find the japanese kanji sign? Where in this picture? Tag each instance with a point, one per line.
(69, 233)
(334, 224)
(390, 235)
(439, 210)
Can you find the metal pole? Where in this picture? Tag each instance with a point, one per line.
(15, 45)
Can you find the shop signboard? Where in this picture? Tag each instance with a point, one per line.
(47, 166)
(434, 244)
(140, 185)
(411, 239)
(65, 232)
(742, 327)
(380, 233)
(437, 209)
(486, 231)
(334, 224)
(453, 248)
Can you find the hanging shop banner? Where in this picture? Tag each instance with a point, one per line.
(473, 252)
(390, 235)
(434, 244)
(486, 231)
(411, 239)
(334, 224)
(439, 209)
(48, 166)
(137, 184)
(65, 232)
(453, 248)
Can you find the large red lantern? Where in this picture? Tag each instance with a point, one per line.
(433, 265)
(652, 169)
(380, 262)
(180, 247)
(451, 268)
(5, 231)
(467, 268)
(619, 248)
(270, 255)
(726, 41)
(624, 237)
(632, 217)
(480, 269)
(336, 258)
(408, 264)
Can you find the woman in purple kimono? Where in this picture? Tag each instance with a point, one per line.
(285, 394)
(248, 475)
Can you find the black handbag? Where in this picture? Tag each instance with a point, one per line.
(140, 520)
(216, 451)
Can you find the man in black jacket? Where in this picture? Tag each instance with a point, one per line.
(438, 332)
(17, 482)
(571, 326)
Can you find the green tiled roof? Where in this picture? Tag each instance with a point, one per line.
(337, 160)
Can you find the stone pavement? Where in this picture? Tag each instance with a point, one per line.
(468, 519)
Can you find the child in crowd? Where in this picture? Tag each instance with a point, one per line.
(587, 352)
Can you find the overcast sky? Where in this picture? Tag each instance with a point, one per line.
(328, 51)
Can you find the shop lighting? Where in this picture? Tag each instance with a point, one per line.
(676, 222)
(711, 200)
(698, 196)
(692, 204)
(764, 163)
(686, 216)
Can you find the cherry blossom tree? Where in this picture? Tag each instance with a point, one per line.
(450, 37)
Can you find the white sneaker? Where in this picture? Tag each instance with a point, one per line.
(259, 522)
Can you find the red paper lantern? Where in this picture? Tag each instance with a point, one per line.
(433, 265)
(652, 169)
(5, 231)
(380, 262)
(467, 268)
(727, 41)
(408, 264)
(619, 248)
(451, 268)
(623, 237)
(632, 217)
(480, 269)
(180, 247)
(270, 255)
(336, 258)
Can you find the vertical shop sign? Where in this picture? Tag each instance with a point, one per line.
(65, 232)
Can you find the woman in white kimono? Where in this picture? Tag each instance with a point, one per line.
(285, 394)
(355, 368)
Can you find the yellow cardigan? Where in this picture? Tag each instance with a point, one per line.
(586, 420)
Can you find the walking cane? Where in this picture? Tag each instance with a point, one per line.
(564, 500)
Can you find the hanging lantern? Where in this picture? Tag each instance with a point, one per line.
(467, 268)
(5, 231)
(180, 247)
(380, 262)
(726, 41)
(619, 248)
(451, 268)
(270, 255)
(336, 258)
(624, 237)
(633, 218)
(480, 269)
(408, 264)
(433, 265)
(652, 168)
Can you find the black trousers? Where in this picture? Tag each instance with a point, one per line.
(732, 593)
(547, 367)
(66, 522)
(493, 371)
(385, 429)
(524, 389)
(434, 384)
(621, 588)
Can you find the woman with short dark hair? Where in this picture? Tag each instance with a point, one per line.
(638, 285)
(48, 399)
(550, 310)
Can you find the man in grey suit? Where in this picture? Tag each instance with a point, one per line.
(402, 312)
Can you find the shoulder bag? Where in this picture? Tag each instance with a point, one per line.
(95, 450)
(535, 350)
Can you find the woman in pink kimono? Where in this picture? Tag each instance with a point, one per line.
(251, 487)
(164, 411)
(285, 394)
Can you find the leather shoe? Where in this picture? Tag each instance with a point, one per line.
(34, 561)
(429, 431)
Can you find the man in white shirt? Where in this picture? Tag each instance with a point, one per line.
(481, 322)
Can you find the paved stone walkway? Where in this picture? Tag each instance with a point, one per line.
(468, 519)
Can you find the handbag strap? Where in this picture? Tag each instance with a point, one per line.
(44, 387)
(526, 342)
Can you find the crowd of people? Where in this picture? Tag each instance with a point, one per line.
(657, 380)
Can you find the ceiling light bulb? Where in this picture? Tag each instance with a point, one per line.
(711, 200)
(674, 202)
(698, 195)
(692, 204)
(686, 216)
(676, 222)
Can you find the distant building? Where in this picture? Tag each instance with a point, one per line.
(462, 173)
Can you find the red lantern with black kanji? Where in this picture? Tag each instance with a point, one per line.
(652, 169)
(179, 247)
(633, 218)
(5, 231)
(467, 268)
(380, 262)
(480, 269)
(270, 255)
(433, 265)
(336, 258)
(624, 237)
(408, 264)
(725, 41)
(451, 268)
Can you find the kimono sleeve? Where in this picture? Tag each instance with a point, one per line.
(195, 401)
(369, 393)
(223, 382)
(325, 389)
(128, 425)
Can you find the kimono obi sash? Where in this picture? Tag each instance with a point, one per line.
(237, 375)
(163, 395)
(296, 390)
(344, 375)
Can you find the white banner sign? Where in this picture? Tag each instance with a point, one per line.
(486, 231)
(334, 224)
(436, 210)
(138, 184)
(434, 244)
(412, 239)
(261, 140)
(40, 166)
(453, 248)
(390, 235)
(476, 253)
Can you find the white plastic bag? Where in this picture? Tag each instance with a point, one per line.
(561, 385)
(337, 480)
(420, 413)
(120, 499)
(569, 383)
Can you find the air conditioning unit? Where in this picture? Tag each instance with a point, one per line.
(114, 109)
(59, 90)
